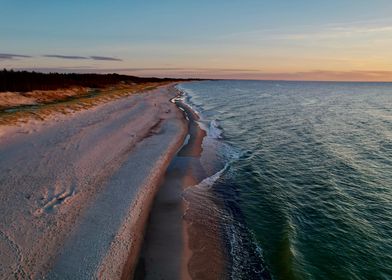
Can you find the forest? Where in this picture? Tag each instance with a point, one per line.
(24, 81)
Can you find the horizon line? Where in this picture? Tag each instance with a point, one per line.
(86, 70)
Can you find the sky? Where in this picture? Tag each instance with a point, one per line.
(233, 39)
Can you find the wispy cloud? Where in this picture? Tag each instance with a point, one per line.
(105, 58)
(320, 75)
(316, 75)
(85, 69)
(65, 56)
(342, 32)
(10, 56)
(77, 57)
(337, 30)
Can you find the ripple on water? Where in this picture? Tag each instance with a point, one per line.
(311, 189)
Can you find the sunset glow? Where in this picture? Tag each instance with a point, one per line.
(305, 40)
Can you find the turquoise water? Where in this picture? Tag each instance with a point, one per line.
(307, 177)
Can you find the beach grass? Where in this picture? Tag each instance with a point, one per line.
(47, 103)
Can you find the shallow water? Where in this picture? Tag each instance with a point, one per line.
(305, 176)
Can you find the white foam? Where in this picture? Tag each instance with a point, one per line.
(208, 182)
(186, 141)
(214, 131)
(212, 142)
(203, 126)
(184, 97)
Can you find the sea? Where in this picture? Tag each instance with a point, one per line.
(300, 176)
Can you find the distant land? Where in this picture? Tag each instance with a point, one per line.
(22, 91)
(21, 81)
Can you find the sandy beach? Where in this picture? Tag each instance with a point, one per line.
(76, 189)
(196, 140)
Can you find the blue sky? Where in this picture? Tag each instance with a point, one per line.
(241, 39)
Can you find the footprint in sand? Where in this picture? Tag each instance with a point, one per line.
(55, 200)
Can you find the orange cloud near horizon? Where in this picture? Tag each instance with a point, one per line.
(235, 74)
(318, 75)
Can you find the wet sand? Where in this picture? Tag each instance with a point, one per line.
(76, 189)
(176, 245)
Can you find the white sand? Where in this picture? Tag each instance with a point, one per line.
(72, 189)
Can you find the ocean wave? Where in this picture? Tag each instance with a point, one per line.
(211, 127)
(214, 130)
(218, 158)
(208, 182)
(229, 155)
(240, 237)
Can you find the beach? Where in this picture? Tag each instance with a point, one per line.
(196, 140)
(200, 180)
(178, 244)
(76, 189)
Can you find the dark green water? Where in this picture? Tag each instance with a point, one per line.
(308, 177)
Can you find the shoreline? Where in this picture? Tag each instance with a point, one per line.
(171, 250)
(82, 184)
(205, 253)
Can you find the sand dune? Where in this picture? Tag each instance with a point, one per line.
(72, 188)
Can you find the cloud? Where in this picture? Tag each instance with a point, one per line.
(77, 57)
(65, 56)
(316, 75)
(251, 74)
(331, 31)
(10, 56)
(76, 69)
(105, 58)
(343, 32)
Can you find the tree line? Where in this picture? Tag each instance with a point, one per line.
(23, 81)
